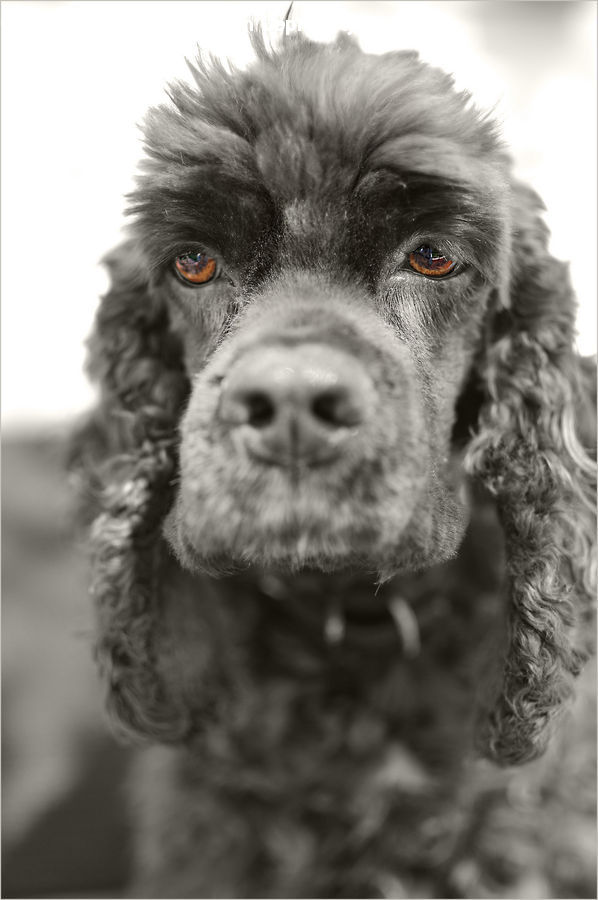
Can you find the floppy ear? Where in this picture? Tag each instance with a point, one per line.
(529, 455)
(138, 364)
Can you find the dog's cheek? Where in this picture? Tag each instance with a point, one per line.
(198, 465)
(436, 528)
(446, 515)
(440, 521)
(451, 516)
(202, 465)
(200, 317)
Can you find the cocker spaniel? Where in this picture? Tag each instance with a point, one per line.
(342, 504)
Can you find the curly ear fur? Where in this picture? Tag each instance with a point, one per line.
(138, 364)
(529, 456)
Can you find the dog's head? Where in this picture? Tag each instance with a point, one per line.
(335, 301)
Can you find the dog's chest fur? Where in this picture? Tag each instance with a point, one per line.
(327, 758)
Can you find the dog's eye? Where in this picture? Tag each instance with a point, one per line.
(430, 261)
(195, 268)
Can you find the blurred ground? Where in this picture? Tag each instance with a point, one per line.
(64, 827)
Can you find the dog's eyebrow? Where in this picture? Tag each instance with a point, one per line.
(438, 157)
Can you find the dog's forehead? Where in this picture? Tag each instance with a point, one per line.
(296, 162)
(307, 222)
(317, 129)
(297, 216)
(330, 143)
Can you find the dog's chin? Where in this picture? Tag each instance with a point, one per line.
(282, 552)
(379, 543)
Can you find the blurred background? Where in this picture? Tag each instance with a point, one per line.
(77, 77)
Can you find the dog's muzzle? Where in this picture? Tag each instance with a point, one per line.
(304, 443)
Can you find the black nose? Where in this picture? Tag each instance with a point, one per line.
(293, 405)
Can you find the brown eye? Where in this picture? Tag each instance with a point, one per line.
(430, 261)
(195, 268)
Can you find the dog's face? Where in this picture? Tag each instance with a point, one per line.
(333, 287)
(328, 234)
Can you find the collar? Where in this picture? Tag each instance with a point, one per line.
(345, 611)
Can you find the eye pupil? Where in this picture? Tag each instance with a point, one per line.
(430, 261)
(195, 268)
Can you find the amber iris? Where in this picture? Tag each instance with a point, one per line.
(430, 261)
(195, 268)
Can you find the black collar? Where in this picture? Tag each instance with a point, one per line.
(340, 612)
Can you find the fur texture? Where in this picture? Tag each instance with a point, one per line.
(300, 766)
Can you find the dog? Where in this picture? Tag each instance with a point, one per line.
(341, 490)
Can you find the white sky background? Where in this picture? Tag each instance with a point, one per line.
(78, 76)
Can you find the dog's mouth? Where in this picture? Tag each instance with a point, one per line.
(296, 466)
(380, 513)
(274, 521)
(291, 545)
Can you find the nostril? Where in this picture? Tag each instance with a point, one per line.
(335, 408)
(260, 408)
(325, 408)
